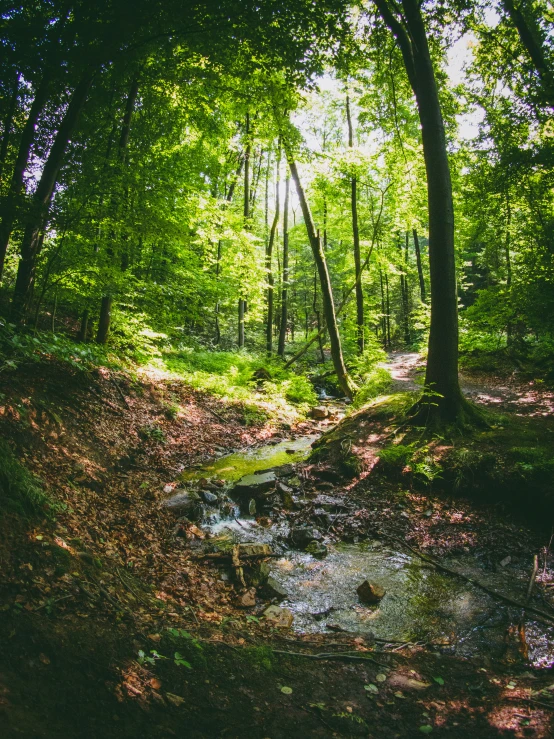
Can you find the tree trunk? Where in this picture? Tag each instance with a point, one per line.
(83, 330)
(531, 37)
(269, 256)
(344, 379)
(285, 286)
(36, 219)
(419, 267)
(405, 294)
(443, 401)
(105, 319)
(16, 185)
(246, 213)
(8, 123)
(356, 238)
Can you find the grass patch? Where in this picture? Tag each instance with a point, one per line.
(20, 491)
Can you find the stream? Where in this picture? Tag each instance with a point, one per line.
(420, 604)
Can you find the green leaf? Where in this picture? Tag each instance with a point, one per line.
(286, 690)
(426, 729)
(439, 680)
(371, 688)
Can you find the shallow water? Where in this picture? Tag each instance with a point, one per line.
(420, 604)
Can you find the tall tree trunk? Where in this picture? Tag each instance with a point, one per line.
(12, 202)
(285, 280)
(246, 214)
(443, 401)
(8, 123)
(36, 219)
(383, 310)
(532, 39)
(104, 322)
(419, 267)
(405, 293)
(356, 238)
(269, 257)
(317, 313)
(344, 379)
(387, 314)
(83, 329)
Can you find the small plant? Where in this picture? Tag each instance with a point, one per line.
(20, 491)
(171, 411)
(152, 432)
(154, 656)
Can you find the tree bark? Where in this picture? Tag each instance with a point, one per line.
(10, 208)
(345, 381)
(356, 238)
(531, 38)
(419, 267)
(269, 258)
(246, 214)
(443, 401)
(83, 329)
(36, 219)
(105, 319)
(285, 286)
(8, 123)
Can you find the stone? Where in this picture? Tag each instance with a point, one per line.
(258, 574)
(370, 593)
(175, 700)
(319, 411)
(317, 549)
(255, 486)
(247, 599)
(280, 617)
(209, 498)
(301, 536)
(255, 550)
(273, 590)
(183, 502)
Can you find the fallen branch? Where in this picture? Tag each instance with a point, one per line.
(331, 655)
(120, 391)
(506, 598)
(229, 555)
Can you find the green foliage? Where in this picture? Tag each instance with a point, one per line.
(152, 432)
(375, 383)
(20, 491)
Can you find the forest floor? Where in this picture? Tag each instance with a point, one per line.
(109, 577)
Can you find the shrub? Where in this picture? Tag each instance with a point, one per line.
(20, 491)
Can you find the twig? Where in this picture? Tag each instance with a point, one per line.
(532, 579)
(119, 390)
(506, 598)
(51, 603)
(329, 655)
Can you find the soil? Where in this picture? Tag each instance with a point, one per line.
(85, 598)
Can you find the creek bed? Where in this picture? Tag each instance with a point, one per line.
(421, 604)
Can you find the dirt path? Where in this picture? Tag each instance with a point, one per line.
(509, 394)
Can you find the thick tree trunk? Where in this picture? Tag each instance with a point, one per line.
(269, 258)
(419, 267)
(10, 207)
(405, 293)
(356, 238)
(104, 322)
(285, 286)
(36, 219)
(443, 401)
(344, 379)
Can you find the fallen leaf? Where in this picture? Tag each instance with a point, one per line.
(286, 690)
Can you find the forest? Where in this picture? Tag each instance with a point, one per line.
(276, 368)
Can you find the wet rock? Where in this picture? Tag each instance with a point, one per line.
(258, 574)
(301, 536)
(209, 498)
(247, 599)
(255, 486)
(370, 593)
(283, 470)
(328, 474)
(319, 411)
(255, 550)
(286, 496)
(280, 617)
(329, 503)
(252, 507)
(273, 590)
(184, 502)
(317, 549)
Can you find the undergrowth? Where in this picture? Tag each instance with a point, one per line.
(20, 491)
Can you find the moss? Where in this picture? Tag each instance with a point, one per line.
(259, 657)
